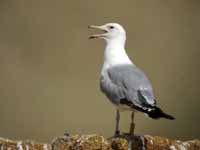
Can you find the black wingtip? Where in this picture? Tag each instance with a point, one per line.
(168, 116)
(157, 113)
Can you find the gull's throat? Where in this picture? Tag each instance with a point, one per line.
(115, 53)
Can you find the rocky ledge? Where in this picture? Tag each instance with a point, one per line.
(97, 142)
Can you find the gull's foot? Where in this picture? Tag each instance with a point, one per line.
(131, 133)
(117, 133)
(128, 134)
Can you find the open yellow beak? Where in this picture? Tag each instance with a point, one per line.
(97, 35)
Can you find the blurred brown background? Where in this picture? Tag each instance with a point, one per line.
(49, 70)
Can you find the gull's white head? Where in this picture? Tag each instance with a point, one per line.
(111, 31)
(115, 37)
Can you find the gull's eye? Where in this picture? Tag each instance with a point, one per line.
(111, 27)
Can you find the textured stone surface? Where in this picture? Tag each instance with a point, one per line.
(97, 142)
(161, 143)
(81, 142)
(6, 144)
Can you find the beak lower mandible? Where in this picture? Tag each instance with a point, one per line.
(102, 28)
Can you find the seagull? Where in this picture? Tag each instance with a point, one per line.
(124, 84)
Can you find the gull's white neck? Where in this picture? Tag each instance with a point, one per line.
(115, 53)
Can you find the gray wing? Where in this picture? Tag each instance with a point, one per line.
(113, 91)
(130, 83)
